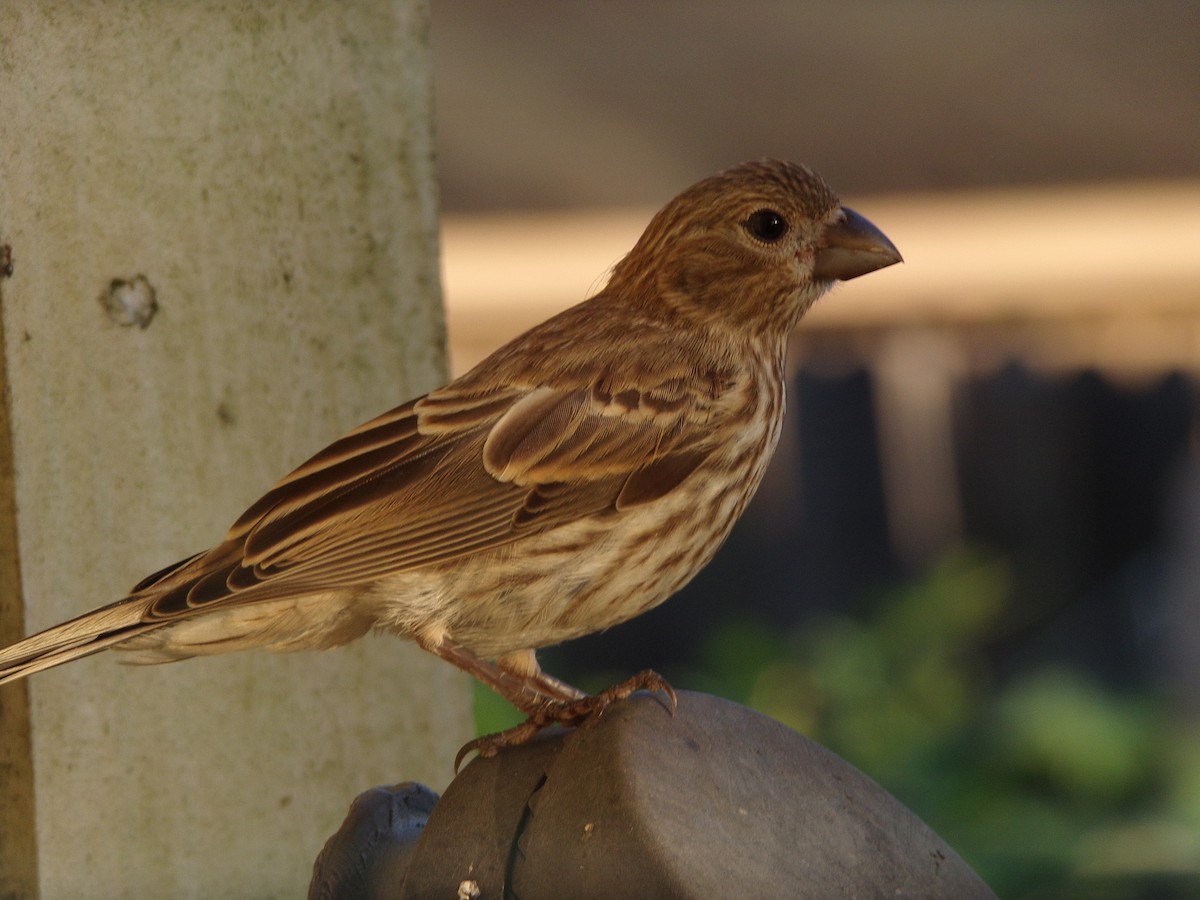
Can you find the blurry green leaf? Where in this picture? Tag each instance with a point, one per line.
(1140, 847)
(735, 653)
(785, 691)
(948, 611)
(1083, 740)
(1182, 772)
(492, 712)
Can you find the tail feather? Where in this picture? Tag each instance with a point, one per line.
(82, 636)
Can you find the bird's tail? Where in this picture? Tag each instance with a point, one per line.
(90, 633)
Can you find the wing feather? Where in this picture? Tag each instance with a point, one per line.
(453, 474)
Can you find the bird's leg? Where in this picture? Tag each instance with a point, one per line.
(546, 701)
(516, 677)
(580, 711)
(524, 665)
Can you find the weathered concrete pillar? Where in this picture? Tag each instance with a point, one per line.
(266, 171)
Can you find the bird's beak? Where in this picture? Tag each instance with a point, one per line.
(852, 246)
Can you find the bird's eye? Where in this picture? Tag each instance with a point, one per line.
(767, 226)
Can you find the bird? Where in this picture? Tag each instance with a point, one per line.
(577, 477)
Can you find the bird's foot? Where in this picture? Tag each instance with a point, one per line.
(568, 713)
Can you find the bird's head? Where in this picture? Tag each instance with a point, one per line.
(754, 246)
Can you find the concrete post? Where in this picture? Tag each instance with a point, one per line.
(222, 219)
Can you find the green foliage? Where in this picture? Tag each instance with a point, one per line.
(1051, 785)
(492, 712)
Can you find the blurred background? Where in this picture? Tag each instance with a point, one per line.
(974, 568)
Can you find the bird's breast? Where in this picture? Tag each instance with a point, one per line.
(606, 568)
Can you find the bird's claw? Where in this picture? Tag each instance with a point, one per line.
(568, 713)
(646, 680)
(490, 744)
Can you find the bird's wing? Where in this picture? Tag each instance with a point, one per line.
(452, 474)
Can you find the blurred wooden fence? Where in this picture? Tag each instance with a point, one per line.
(1105, 276)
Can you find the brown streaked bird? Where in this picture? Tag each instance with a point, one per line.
(577, 477)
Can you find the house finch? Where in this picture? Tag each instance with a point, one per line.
(577, 477)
